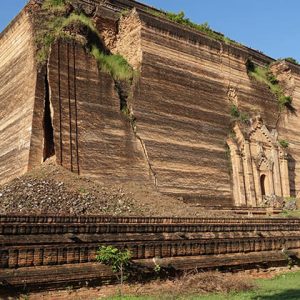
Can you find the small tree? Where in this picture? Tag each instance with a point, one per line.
(117, 259)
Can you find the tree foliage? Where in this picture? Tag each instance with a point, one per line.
(118, 259)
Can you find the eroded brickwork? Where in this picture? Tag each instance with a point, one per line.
(48, 244)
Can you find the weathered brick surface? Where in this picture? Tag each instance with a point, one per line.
(54, 243)
(17, 95)
(181, 102)
(92, 136)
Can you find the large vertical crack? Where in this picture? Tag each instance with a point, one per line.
(124, 90)
(152, 172)
(49, 149)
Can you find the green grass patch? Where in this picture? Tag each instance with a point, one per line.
(57, 25)
(180, 18)
(265, 76)
(284, 143)
(55, 5)
(116, 65)
(81, 19)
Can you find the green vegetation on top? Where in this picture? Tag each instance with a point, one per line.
(56, 5)
(56, 26)
(292, 60)
(265, 76)
(116, 64)
(181, 19)
(53, 3)
(81, 19)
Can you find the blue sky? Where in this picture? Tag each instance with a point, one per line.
(271, 26)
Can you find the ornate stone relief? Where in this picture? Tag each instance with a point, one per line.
(259, 164)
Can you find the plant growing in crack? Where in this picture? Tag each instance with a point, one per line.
(129, 115)
(284, 144)
(237, 115)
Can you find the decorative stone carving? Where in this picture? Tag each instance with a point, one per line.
(259, 165)
(232, 95)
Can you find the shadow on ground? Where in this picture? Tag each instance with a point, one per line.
(293, 294)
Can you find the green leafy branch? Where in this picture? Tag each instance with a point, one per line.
(118, 260)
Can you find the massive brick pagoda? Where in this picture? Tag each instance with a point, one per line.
(186, 84)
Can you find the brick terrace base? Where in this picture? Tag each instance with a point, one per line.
(39, 251)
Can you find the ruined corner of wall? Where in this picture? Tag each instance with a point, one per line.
(284, 75)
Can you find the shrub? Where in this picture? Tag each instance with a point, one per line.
(271, 78)
(284, 143)
(244, 117)
(285, 101)
(118, 260)
(81, 19)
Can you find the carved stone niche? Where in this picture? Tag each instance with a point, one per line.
(259, 164)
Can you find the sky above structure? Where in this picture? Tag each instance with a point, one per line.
(270, 26)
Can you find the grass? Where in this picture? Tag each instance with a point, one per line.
(55, 5)
(265, 76)
(115, 65)
(291, 214)
(181, 19)
(282, 287)
(57, 26)
(284, 144)
(81, 19)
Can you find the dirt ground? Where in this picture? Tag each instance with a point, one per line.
(193, 283)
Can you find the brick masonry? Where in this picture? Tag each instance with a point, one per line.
(49, 244)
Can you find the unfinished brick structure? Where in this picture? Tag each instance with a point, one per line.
(180, 101)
